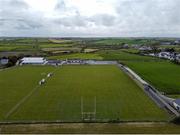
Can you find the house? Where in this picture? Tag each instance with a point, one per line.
(165, 55)
(4, 61)
(178, 57)
(176, 104)
(145, 48)
(33, 60)
(152, 54)
(126, 46)
(166, 43)
(176, 42)
(136, 46)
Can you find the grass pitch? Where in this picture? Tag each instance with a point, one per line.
(118, 97)
(163, 75)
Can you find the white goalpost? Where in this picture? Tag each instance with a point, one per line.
(88, 116)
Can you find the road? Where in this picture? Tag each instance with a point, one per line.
(161, 100)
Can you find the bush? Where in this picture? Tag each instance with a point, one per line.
(176, 120)
(12, 61)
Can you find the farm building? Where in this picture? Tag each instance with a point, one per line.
(176, 104)
(145, 48)
(33, 60)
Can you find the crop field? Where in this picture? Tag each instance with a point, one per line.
(33, 44)
(60, 98)
(78, 56)
(107, 55)
(119, 41)
(60, 41)
(124, 56)
(163, 75)
(17, 47)
(53, 45)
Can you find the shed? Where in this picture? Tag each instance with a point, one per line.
(33, 60)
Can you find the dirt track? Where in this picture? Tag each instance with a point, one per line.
(132, 127)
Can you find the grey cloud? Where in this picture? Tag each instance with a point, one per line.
(132, 18)
(27, 24)
(153, 13)
(60, 5)
(16, 5)
(62, 8)
(83, 21)
(73, 21)
(103, 19)
(15, 14)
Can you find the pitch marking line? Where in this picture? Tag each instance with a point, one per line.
(23, 100)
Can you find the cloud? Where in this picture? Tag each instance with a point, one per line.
(60, 5)
(103, 19)
(90, 18)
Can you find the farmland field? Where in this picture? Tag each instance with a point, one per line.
(117, 96)
(78, 56)
(119, 41)
(163, 75)
(124, 56)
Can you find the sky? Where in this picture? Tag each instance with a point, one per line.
(90, 18)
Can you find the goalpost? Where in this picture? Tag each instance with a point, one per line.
(88, 116)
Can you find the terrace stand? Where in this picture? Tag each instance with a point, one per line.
(88, 116)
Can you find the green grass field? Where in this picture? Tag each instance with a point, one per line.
(119, 41)
(17, 48)
(124, 56)
(16, 83)
(29, 44)
(78, 56)
(118, 97)
(54, 45)
(163, 75)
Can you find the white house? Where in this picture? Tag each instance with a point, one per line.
(176, 104)
(165, 55)
(145, 48)
(33, 60)
(178, 57)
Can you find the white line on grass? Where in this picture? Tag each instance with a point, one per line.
(21, 102)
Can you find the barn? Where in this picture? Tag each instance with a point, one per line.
(176, 104)
(33, 60)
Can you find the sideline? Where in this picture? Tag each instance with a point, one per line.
(13, 109)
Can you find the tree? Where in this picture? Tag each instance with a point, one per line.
(12, 61)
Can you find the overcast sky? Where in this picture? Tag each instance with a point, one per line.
(90, 18)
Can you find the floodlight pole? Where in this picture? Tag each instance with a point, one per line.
(89, 115)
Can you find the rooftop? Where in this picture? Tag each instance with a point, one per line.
(32, 58)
